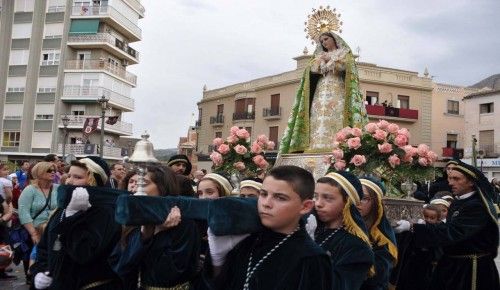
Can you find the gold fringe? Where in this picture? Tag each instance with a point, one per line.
(353, 228)
(378, 237)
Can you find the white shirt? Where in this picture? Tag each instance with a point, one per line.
(464, 196)
(4, 183)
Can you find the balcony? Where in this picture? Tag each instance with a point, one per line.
(137, 6)
(197, 124)
(272, 113)
(79, 94)
(238, 116)
(217, 120)
(391, 113)
(77, 122)
(488, 151)
(81, 150)
(102, 65)
(112, 17)
(455, 153)
(107, 42)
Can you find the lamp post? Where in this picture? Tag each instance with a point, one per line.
(104, 103)
(65, 122)
(474, 152)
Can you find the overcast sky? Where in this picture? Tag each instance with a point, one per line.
(189, 43)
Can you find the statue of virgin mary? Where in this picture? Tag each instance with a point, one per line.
(328, 98)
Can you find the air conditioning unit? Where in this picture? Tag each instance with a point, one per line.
(124, 62)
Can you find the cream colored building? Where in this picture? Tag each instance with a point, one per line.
(482, 120)
(263, 105)
(60, 56)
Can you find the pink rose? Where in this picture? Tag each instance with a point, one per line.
(327, 159)
(240, 149)
(404, 131)
(394, 160)
(260, 161)
(217, 141)
(347, 131)
(232, 139)
(358, 160)
(243, 134)
(340, 136)
(256, 148)
(223, 149)
(336, 144)
(410, 150)
(401, 140)
(393, 128)
(354, 143)
(422, 150)
(423, 161)
(383, 124)
(233, 130)
(432, 156)
(262, 139)
(371, 128)
(385, 147)
(339, 165)
(338, 154)
(356, 132)
(240, 166)
(270, 145)
(408, 158)
(380, 135)
(216, 158)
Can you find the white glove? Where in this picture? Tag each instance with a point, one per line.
(421, 222)
(221, 245)
(311, 225)
(79, 201)
(43, 280)
(403, 226)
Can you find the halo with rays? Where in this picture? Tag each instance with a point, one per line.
(322, 20)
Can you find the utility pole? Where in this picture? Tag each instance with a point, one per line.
(474, 152)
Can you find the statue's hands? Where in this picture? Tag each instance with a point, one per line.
(325, 57)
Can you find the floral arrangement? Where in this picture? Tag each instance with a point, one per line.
(382, 149)
(237, 155)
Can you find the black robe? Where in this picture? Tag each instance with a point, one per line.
(351, 258)
(167, 259)
(87, 238)
(415, 265)
(383, 265)
(469, 230)
(297, 264)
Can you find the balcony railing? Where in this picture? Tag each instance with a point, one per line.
(217, 120)
(119, 127)
(392, 112)
(244, 116)
(271, 113)
(453, 152)
(78, 150)
(488, 151)
(102, 65)
(197, 123)
(106, 38)
(90, 93)
(137, 5)
(108, 11)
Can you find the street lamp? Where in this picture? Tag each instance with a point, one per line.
(104, 104)
(65, 122)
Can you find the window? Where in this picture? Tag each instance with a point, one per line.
(486, 141)
(46, 90)
(218, 134)
(451, 140)
(12, 90)
(486, 108)
(220, 110)
(275, 101)
(51, 58)
(249, 130)
(404, 102)
(44, 117)
(77, 113)
(11, 139)
(273, 135)
(244, 109)
(453, 107)
(372, 98)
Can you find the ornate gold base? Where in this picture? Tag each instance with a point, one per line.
(312, 162)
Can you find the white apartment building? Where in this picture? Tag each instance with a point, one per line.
(62, 56)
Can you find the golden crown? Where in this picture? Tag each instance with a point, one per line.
(322, 20)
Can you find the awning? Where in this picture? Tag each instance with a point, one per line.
(87, 26)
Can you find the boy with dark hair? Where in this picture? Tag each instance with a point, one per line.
(282, 255)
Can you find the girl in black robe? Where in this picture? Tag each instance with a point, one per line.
(73, 251)
(163, 255)
(341, 231)
(380, 233)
